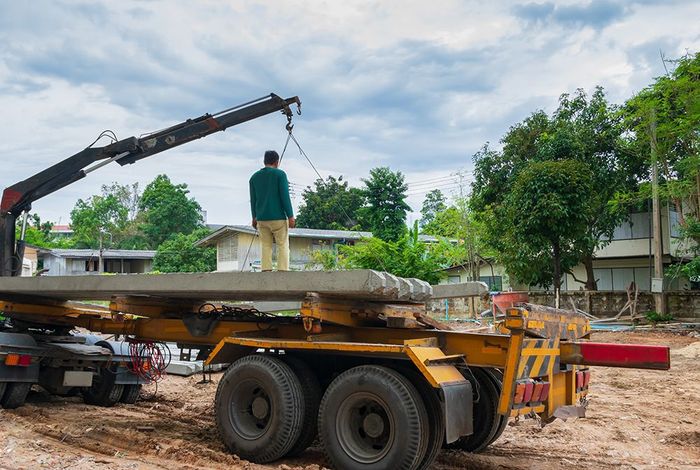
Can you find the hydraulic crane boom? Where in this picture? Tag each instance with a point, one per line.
(18, 198)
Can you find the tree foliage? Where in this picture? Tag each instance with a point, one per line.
(664, 119)
(584, 129)
(331, 204)
(433, 204)
(38, 233)
(111, 216)
(542, 219)
(385, 213)
(167, 210)
(178, 254)
(100, 217)
(405, 257)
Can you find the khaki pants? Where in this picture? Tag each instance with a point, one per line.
(277, 231)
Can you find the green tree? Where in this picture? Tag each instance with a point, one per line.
(38, 233)
(99, 217)
(112, 216)
(385, 213)
(458, 223)
(664, 119)
(331, 205)
(179, 254)
(542, 219)
(167, 210)
(405, 257)
(586, 129)
(433, 203)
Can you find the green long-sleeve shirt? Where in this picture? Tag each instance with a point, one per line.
(269, 195)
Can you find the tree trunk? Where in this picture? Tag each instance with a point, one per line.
(557, 273)
(591, 283)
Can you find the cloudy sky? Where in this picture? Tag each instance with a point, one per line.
(417, 86)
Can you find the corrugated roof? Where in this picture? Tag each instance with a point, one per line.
(300, 233)
(88, 253)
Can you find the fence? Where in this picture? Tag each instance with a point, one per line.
(680, 304)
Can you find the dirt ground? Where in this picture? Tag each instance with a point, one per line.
(636, 419)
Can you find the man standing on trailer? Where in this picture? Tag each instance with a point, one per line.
(272, 211)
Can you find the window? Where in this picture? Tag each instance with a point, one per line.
(619, 279)
(674, 224)
(453, 279)
(495, 283)
(636, 227)
(227, 248)
(640, 225)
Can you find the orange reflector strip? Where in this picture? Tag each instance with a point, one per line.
(12, 360)
(537, 392)
(519, 393)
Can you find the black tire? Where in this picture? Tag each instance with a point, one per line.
(436, 416)
(312, 399)
(130, 394)
(15, 395)
(259, 408)
(486, 418)
(497, 377)
(3, 386)
(372, 417)
(103, 392)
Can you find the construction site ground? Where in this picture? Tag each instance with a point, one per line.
(636, 419)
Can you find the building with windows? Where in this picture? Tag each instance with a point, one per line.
(76, 262)
(238, 246)
(629, 257)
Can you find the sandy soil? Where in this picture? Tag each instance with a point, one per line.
(636, 419)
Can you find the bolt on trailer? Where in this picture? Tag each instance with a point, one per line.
(362, 366)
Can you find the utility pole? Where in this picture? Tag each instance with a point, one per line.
(657, 287)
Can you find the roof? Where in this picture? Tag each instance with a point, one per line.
(298, 233)
(89, 253)
(61, 228)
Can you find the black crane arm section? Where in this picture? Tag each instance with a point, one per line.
(19, 197)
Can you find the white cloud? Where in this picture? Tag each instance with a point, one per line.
(417, 86)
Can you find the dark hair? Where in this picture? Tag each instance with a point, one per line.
(271, 157)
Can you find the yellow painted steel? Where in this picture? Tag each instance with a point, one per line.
(436, 374)
(528, 346)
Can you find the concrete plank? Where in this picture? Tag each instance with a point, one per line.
(225, 286)
(465, 289)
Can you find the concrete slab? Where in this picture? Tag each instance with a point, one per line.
(465, 289)
(183, 368)
(231, 286)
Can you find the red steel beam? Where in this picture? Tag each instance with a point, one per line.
(633, 356)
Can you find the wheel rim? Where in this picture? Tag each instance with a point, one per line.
(250, 409)
(365, 427)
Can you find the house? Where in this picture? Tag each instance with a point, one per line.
(74, 262)
(61, 231)
(238, 248)
(629, 257)
(30, 261)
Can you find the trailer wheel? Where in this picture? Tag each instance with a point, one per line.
(312, 398)
(371, 417)
(130, 394)
(3, 386)
(259, 408)
(486, 417)
(436, 416)
(15, 394)
(497, 377)
(103, 392)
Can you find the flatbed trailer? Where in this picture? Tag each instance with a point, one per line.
(363, 366)
(380, 383)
